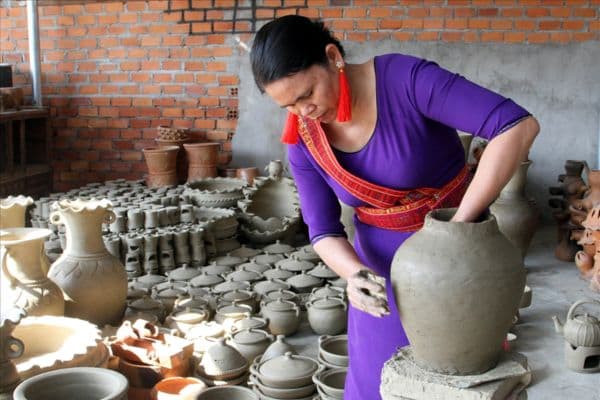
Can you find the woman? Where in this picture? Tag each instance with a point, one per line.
(381, 137)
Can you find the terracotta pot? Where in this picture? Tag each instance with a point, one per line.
(12, 211)
(93, 281)
(202, 160)
(182, 164)
(457, 298)
(24, 270)
(516, 214)
(162, 165)
(177, 388)
(248, 174)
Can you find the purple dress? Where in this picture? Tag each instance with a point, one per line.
(414, 144)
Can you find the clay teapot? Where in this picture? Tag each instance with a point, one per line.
(580, 329)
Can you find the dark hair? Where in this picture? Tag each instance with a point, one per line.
(288, 45)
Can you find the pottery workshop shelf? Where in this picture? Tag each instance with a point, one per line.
(25, 142)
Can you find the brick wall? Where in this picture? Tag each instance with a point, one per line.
(113, 71)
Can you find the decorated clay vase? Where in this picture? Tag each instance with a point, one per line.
(24, 272)
(457, 286)
(516, 214)
(94, 282)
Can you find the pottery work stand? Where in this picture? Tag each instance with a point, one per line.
(402, 379)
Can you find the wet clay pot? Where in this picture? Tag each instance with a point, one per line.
(94, 282)
(516, 214)
(457, 286)
(202, 160)
(24, 270)
(162, 165)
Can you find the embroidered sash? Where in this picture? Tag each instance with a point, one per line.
(399, 210)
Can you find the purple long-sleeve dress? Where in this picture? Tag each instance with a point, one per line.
(414, 144)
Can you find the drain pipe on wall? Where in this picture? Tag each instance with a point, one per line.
(33, 31)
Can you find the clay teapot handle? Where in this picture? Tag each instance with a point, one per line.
(56, 218)
(577, 304)
(11, 279)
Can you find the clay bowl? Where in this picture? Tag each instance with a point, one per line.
(331, 382)
(334, 349)
(227, 393)
(176, 388)
(83, 383)
(283, 394)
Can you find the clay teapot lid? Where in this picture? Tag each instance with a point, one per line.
(221, 359)
(216, 269)
(287, 366)
(295, 265)
(229, 261)
(278, 348)
(245, 252)
(327, 302)
(304, 280)
(280, 305)
(229, 286)
(204, 279)
(253, 266)
(251, 336)
(278, 248)
(323, 271)
(268, 258)
(184, 273)
(243, 275)
(146, 303)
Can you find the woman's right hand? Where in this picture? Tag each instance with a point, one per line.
(366, 292)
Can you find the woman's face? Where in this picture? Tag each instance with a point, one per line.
(311, 93)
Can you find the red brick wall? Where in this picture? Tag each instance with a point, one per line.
(113, 71)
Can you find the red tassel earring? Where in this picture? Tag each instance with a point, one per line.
(290, 130)
(344, 111)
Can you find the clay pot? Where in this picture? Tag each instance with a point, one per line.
(516, 214)
(12, 211)
(227, 393)
(184, 320)
(287, 371)
(72, 383)
(334, 349)
(248, 174)
(327, 315)
(162, 165)
(251, 342)
(182, 164)
(458, 298)
(24, 269)
(93, 281)
(202, 160)
(331, 383)
(283, 316)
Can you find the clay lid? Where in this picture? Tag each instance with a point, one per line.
(146, 303)
(323, 271)
(253, 266)
(243, 275)
(339, 282)
(237, 295)
(229, 261)
(304, 280)
(287, 366)
(229, 286)
(206, 329)
(268, 258)
(135, 292)
(196, 302)
(328, 290)
(249, 323)
(280, 305)
(278, 248)
(295, 265)
(216, 269)
(184, 273)
(278, 348)
(221, 359)
(251, 336)
(245, 252)
(281, 294)
(169, 284)
(308, 255)
(327, 302)
(204, 280)
(196, 291)
(189, 315)
(278, 273)
(268, 285)
(171, 292)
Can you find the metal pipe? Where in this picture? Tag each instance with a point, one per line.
(33, 31)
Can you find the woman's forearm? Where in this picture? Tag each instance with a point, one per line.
(500, 160)
(339, 255)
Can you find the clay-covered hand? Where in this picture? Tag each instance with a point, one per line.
(366, 292)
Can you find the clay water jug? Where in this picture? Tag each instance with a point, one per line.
(94, 282)
(457, 286)
(24, 272)
(516, 214)
(12, 211)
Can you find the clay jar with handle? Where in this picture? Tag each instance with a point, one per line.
(327, 315)
(283, 316)
(94, 282)
(24, 269)
(457, 286)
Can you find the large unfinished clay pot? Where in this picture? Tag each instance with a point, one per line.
(458, 287)
(94, 282)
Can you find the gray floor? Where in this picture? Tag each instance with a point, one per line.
(556, 286)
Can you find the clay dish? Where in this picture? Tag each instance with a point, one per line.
(221, 221)
(216, 192)
(268, 392)
(287, 371)
(334, 349)
(227, 393)
(331, 382)
(74, 383)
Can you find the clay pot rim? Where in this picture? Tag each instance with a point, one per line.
(79, 205)
(163, 149)
(13, 236)
(230, 391)
(201, 144)
(11, 201)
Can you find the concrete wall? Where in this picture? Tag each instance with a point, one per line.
(559, 84)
